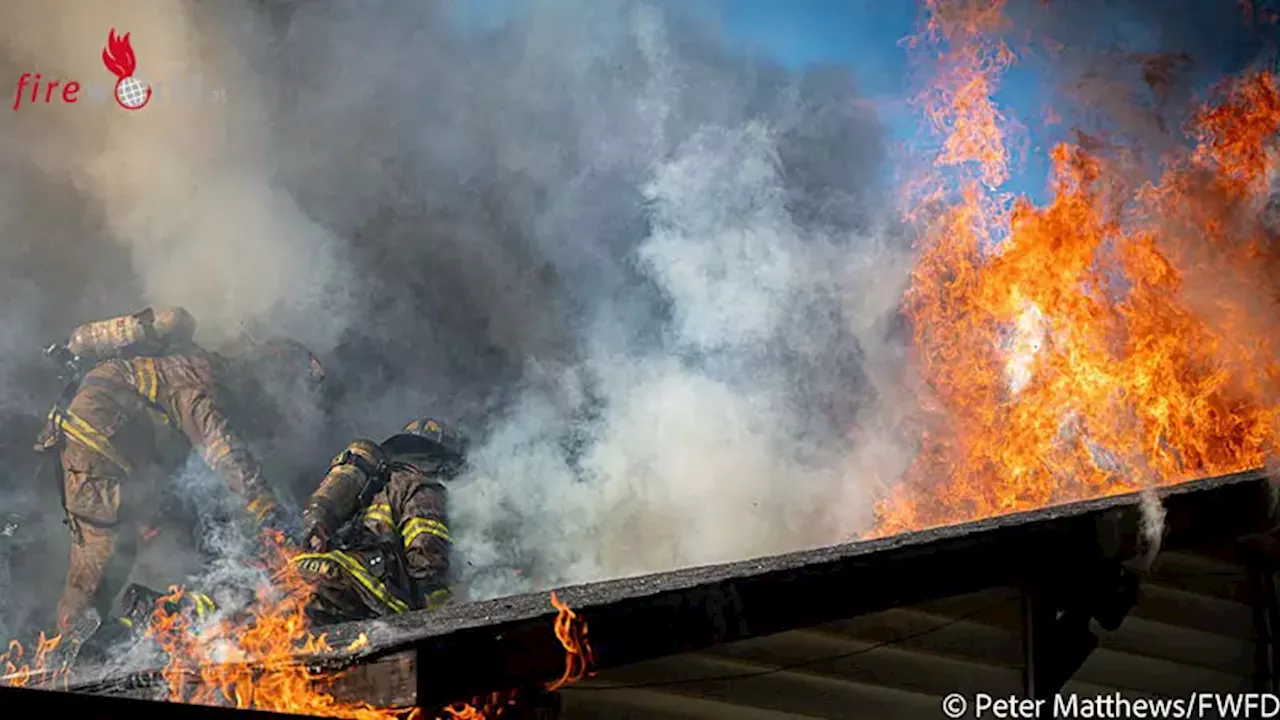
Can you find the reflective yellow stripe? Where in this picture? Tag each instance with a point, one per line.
(139, 379)
(126, 622)
(84, 433)
(204, 604)
(413, 527)
(379, 512)
(379, 517)
(260, 508)
(438, 598)
(153, 379)
(216, 451)
(148, 380)
(357, 573)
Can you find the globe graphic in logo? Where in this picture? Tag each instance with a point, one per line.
(132, 93)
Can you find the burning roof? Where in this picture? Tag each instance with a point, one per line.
(1077, 350)
(474, 649)
(1089, 346)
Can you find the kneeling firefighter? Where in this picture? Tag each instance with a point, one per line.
(375, 531)
(375, 537)
(151, 397)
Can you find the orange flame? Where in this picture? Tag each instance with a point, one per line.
(252, 661)
(1122, 336)
(20, 674)
(1125, 335)
(487, 707)
(959, 103)
(571, 631)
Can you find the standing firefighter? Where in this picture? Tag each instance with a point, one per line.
(151, 397)
(375, 531)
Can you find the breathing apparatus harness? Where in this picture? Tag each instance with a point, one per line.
(71, 371)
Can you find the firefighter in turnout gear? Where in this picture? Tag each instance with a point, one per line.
(150, 397)
(375, 533)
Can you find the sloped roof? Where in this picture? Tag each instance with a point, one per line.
(475, 648)
(481, 647)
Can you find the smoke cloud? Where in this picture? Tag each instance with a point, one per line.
(654, 276)
(647, 272)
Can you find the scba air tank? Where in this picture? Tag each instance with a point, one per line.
(149, 332)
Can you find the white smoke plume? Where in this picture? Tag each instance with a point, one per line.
(1152, 524)
(699, 455)
(649, 273)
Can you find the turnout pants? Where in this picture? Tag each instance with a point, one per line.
(355, 584)
(104, 531)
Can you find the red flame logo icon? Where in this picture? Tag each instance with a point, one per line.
(131, 93)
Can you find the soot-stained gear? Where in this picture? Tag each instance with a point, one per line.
(437, 447)
(355, 476)
(149, 332)
(357, 583)
(377, 527)
(142, 605)
(130, 424)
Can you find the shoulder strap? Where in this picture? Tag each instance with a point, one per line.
(146, 391)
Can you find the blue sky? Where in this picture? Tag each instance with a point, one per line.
(861, 34)
(865, 36)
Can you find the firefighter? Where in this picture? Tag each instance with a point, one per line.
(151, 397)
(375, 533)
(374, 536)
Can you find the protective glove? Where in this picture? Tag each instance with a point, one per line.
(434, 596)
(265, 514)
(273, 528)
(316, 521)
(140, 605)
(314, 538)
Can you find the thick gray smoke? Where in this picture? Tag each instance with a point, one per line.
(650, 275)
(654, 264)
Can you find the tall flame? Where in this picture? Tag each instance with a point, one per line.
(1121, 337)
(1125, 335)
(571, 631)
